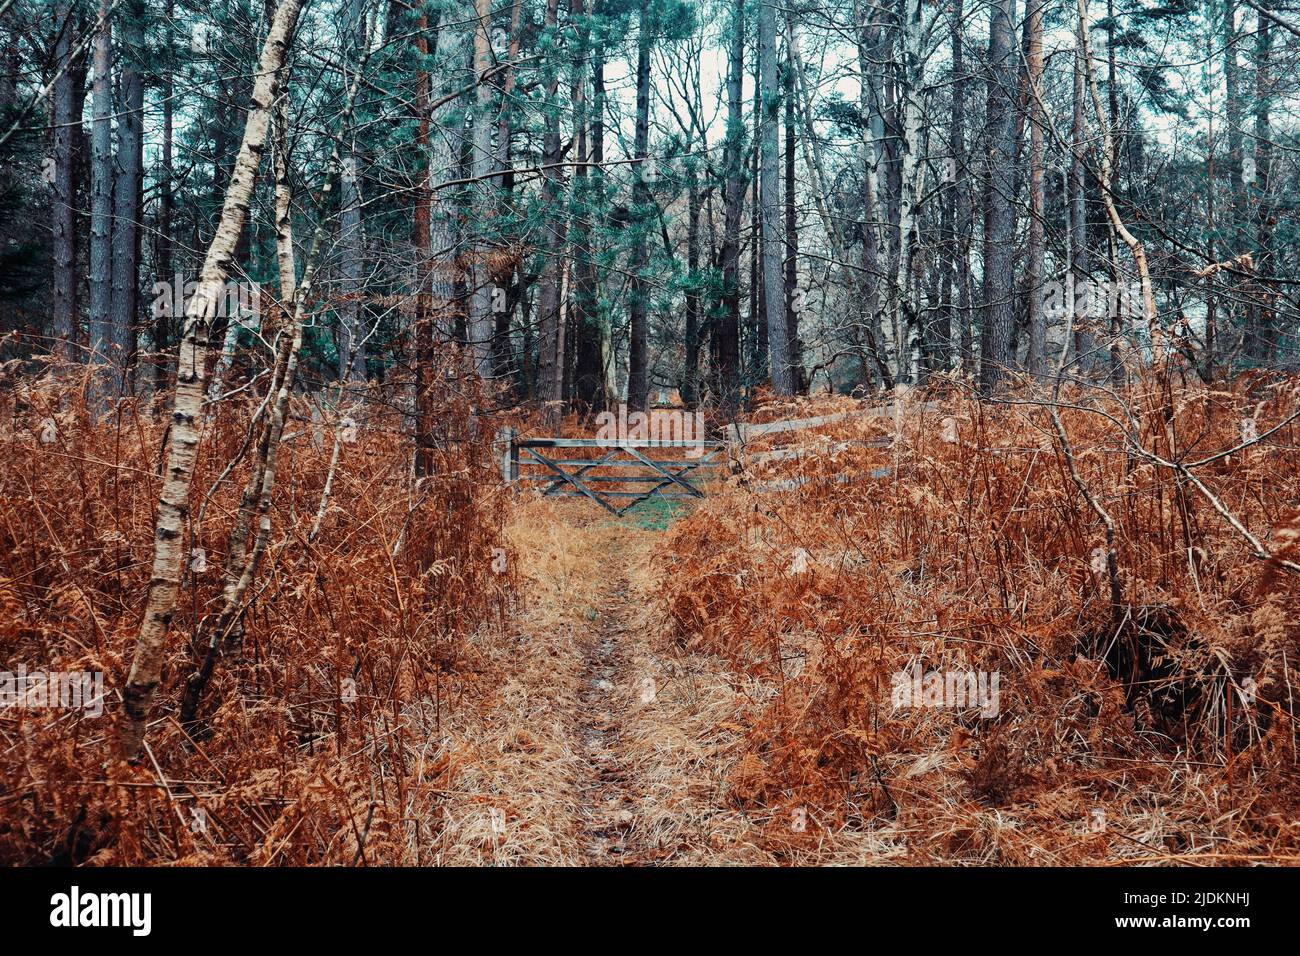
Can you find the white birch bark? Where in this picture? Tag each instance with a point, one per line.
(178, 473)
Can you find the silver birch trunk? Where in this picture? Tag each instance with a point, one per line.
(183, 440)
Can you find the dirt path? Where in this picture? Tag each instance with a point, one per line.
(594, 741)
(608, 814)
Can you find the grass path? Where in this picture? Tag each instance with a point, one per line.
(592, 740)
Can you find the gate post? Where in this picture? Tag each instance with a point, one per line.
(509, 455)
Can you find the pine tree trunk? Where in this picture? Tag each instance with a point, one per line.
(66, 317)
(943, 326)
(793, 298)
(102, 336)
(889, 136)
(128, 190)
(770, 198)
(962, 193)
(10, 59)
(587, 391)
(481, 324)
(502, 268)
(352, 346)
(726, 328)
(1236, 212)
(637, 383)
(608, 363)
(1084, 338)
(691, 347)
(1037, 358)
(550, 330)
(1264, 332)
(163, 318)
(420, 336)
(757, 369)
(996, 356)
(869, 330)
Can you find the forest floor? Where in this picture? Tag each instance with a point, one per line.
(597, 742)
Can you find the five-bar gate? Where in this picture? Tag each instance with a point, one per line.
(617, 475)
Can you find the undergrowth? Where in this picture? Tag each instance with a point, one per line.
(1152, 722)
(315, 729)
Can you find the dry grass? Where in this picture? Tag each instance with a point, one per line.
(669, 745)
(515, 753)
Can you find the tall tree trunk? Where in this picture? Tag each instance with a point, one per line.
(609, 367)
(757, 370)
(352, 346)
(102, 338)
(999, 213)
(502, 269)
(128, 189)
(550, 329)
(962, 222)
(1037, 358)
(869, 330)
(481, 324)
(10, 59)
(689, 389)
(421, 334)
(889, 136)
(948, 251)
(905, 304)
(442, 219)
(507, 80)
(1211, 293)
(587, 391)
(82, 138)
(1135, 247)
(67, 123)
(164, 249)
(1263, 332)
(446, 148)
(638, 357)
(242, 562)
(1084, 339)
(1236, 212)
(726, 327)
(770, 197)
(183, 441)
(793, 297)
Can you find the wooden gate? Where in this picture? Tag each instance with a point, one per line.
(609, 472)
